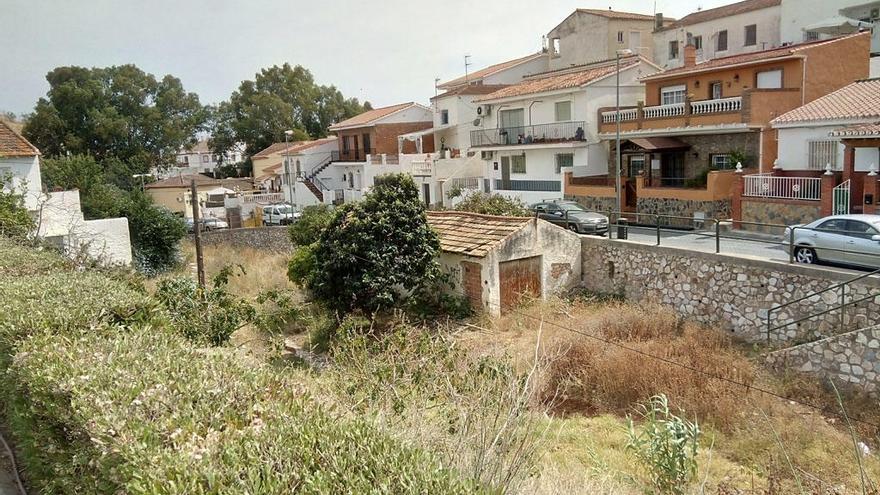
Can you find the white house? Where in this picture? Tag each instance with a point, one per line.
(200, 159)
(806, 140)
(549, 122)
(58, 215)
(742, 27)
(496, 262)
(509, 72)
(455, 115)
(305, 171)
(798, 16)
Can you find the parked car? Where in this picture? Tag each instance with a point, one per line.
(847, 239)
(206, 224)
(572, 216)
(279, 214)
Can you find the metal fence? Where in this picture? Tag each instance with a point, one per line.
(768, 186)
(529, 134)
(529, 185)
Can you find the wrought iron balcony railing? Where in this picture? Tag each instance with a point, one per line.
(558, 132)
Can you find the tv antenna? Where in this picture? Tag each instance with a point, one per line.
(467, 63)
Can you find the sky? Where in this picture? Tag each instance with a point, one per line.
(384, 51)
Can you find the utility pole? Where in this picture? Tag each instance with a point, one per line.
(197, 232)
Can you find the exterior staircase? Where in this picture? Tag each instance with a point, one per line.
(311, 179)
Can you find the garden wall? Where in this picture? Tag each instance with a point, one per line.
(778, 212)
(728, 292)
(274, 239)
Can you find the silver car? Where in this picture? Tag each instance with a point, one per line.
(848, 239)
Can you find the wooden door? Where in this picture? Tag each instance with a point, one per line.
(520, 279)
(505, 173)
(471, 281)
(233, 217)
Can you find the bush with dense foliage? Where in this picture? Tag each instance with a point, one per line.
(374, 251)
(307, 230)
(15, 221)
(493, 204)
(103, 395)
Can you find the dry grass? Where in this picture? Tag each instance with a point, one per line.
(591, 380)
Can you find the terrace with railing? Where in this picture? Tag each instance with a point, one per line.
(559, 132)
(721, 110)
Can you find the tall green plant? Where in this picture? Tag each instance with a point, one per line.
(666, 445)
(15, 221)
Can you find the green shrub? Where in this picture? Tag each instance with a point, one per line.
(146, 413)
(307, 230)
(302, 264)
(23, 258)
(493, 204)
(666, 445)
(15, 220)
(207, 316)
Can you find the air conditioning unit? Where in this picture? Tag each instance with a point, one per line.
(484, 110)
(487, 155)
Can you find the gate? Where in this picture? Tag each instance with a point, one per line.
(233, 217)
(841, 199)
(519, 279)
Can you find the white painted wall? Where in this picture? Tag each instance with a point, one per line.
(106, 240)
(768, 36)
(795, 14)
(415, 113)
(307, 160)
(462, 113)
(582, 38)
(26, 179)
(794, 148)
(515, 74)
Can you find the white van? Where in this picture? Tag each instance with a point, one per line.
(279, 214)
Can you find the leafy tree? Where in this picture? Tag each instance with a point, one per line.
(374, 251)
(155, 233)
(120, 112)
(278, 99)
(72, 172)
(311, 224)
(15, 221)
(493, 204)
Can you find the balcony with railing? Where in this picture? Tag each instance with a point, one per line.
(702, 112)
(351, 155)
(558, 132)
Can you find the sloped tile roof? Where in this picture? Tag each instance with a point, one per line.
(790, 51)
(858, 100)
(614, 14)
(473, 234)
(488, 71)
(179, 181)
(370, 116)
(14, 144)
(571, 77)
(471, 89)
(295, 147)
(720, 12)
(858, 131)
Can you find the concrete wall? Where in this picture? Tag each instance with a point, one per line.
(732, 293)
(794, 148)
(515, 74)
(274, 239)
(778, 212)
(851, 358)
(795, 14)
(25, 174)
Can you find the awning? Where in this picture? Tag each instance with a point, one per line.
(838, 25)
(660, 144)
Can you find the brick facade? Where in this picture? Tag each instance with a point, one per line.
(383, 139)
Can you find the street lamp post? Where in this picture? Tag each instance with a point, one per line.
(287, 135)
(617, 160)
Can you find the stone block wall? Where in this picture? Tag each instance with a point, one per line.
(683, 208)
(778, 212)
(732, 293)
(851, 358)
(273, 239)
(602, 205)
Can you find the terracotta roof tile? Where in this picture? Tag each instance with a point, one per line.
(571, 77)
(13, 144)
(488, 71)
(183, 181)
(370, 116)
(859, 100)
(858, 131)
(473, 234)
(748, 58)
(614, 14)
(720, 12)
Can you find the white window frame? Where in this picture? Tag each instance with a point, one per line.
(821, 152)
(670, 95)
(444, 117)
(698, 42)
(556, 110)
(722, 161)
(772, 71)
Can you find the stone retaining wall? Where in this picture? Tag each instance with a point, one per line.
(683, 208)
(274, 239)
(778, 213)
(849, 358)
(593, 203)
(725, 291)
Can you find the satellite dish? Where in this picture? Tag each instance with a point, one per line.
(477, 122)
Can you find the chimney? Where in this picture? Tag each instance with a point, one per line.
(658, 20)
(690, 55)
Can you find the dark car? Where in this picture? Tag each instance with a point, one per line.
(572, 216)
